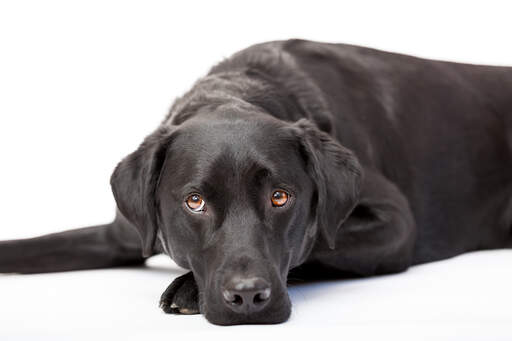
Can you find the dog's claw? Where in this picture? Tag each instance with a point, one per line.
(181, 297)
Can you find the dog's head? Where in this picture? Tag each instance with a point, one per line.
(239, 199)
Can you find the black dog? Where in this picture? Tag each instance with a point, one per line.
(323, 158)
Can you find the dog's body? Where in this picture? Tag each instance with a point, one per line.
(388, 161)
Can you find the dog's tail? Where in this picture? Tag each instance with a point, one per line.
(102, 246)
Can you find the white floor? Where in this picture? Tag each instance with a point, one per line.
(465, 298)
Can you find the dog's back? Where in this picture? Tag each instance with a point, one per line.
(441, 131)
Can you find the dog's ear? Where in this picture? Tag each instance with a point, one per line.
(337, 175)
(134, 182)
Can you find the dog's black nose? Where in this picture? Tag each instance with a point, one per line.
(246, 295)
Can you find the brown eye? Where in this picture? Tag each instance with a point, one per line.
(279, 198)
(195, 203)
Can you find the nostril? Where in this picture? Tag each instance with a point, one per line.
(232, 298)
(261, 296)
(238, 300)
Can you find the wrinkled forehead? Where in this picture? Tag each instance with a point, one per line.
(223, 151)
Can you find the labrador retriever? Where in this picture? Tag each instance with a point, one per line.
(308, 158)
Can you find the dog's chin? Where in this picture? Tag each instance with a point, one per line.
(278, 312)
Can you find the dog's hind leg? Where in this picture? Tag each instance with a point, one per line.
(102, 246)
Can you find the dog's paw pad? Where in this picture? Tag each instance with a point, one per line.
(173, 308)
(188, 311)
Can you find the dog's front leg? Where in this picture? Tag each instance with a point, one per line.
(378, 237)
(181, 296)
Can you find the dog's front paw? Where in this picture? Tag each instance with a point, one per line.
(181, 297)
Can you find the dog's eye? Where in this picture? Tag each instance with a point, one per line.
(195, 203)
(279, 198)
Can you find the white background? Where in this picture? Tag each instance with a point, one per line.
(81, 84)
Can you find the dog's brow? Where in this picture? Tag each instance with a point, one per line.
(202, 187)
(262, 174)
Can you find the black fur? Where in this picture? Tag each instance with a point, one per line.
(389, 161)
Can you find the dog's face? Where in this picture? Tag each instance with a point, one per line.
(239, 200)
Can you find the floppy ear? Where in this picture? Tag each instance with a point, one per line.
(134, 182)
(337, 174)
